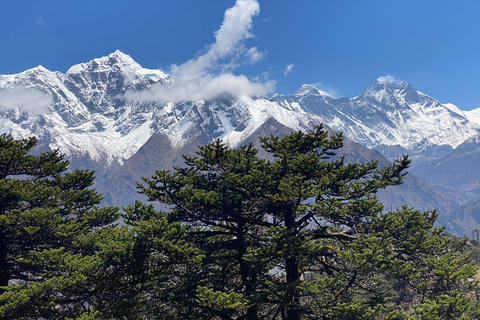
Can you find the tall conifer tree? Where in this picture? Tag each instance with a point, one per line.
(44, 213)
(303, 236)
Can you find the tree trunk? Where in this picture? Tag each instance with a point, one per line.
(4, 274)
(291, 270)
(248, 276)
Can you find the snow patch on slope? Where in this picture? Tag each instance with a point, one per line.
(473, 115)
(261, 110)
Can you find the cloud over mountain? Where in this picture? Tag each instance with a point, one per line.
(26, 99)
(210, 74)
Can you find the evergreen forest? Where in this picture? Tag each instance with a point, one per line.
(296, 234)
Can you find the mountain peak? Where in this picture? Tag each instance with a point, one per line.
(38, 69)
(311, 90)
(120, 57)
(388, 79)
(387, 84)
(38, 72)
(117, 58)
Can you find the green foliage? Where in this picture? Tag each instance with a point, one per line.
(146, 267)
(450, 306)
(304, 236)
(221, 300)
(44, 213)
(301, 236)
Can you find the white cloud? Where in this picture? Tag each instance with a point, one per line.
(25, 99)
(206, 89)
(236, 28)
(255, 55)
(288, 69)
(210, 74)
(264, 77)
(388, 79)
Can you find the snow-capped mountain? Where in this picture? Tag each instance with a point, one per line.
(389, 116)
(90, 120)
(91, 114)
(87, 119)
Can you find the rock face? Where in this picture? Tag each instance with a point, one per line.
(94, 118)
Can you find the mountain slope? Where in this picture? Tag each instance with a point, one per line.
(92, 117)
(87, 119)
(391, 117)
(91, 121)
(459, 170)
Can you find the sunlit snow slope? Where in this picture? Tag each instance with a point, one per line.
(89, 118)
(391, 117)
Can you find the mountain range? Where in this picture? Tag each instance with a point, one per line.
(92, 116)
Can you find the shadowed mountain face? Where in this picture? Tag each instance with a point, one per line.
(156, 154)
(460, 169)
(96, 120)
(120, 188)
(458, 174)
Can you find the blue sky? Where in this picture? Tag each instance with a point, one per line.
(341, 46)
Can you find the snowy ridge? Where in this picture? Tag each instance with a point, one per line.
(390, 113)
(117, 60)
(232, 121)
(261, 110)
(89, 118)
(473, 115)
(308, 89)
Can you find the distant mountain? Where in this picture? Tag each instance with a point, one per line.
(91, 120)
(459, 170)
(470, 215)
(389, 116)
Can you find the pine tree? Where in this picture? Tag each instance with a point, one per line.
(218, 193)
(321, 206)
(44, 213)
(303, 236)
(259, 216)
(148, 267)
